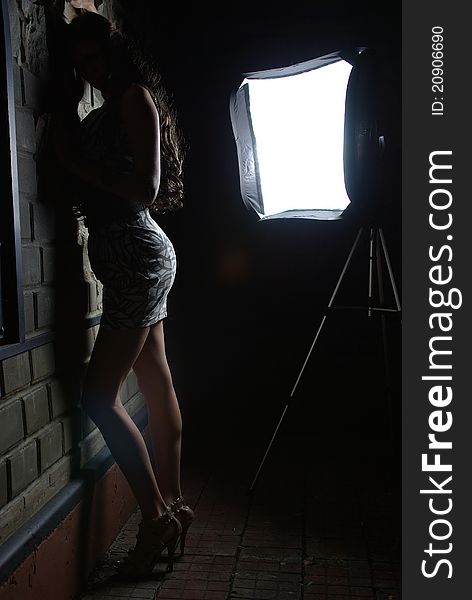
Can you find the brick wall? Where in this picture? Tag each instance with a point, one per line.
(45, 436)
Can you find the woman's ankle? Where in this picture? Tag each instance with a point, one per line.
(173, 499)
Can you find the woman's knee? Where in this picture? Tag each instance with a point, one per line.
(154, 381)
(152, 371)
(97, 399)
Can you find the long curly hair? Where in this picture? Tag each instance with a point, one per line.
(129, 64)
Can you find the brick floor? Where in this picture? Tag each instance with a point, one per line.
(321, 524)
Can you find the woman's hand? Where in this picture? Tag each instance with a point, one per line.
(80, 5)
(75, 8)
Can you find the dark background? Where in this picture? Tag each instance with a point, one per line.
(248, 295)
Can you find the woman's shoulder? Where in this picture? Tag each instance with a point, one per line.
(136, 99)
(137, 92)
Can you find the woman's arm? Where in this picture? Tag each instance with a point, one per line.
(74, 8)
(141, 122)
(88, 5)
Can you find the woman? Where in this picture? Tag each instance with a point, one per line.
(126, 155)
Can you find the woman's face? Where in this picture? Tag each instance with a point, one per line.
(92, 63)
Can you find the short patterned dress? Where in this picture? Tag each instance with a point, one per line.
(129, 252)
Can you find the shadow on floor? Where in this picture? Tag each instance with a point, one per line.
(322, 521)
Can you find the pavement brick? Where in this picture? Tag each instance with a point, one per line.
(261, 549)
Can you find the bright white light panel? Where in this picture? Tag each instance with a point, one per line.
(298, 123)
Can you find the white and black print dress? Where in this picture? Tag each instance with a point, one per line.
(129, 252)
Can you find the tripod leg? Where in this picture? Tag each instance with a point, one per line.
(348, 260)
(346, 264)
(372, 257)
(353, 248)
(383, 324)
(390, 272)
(251, 487)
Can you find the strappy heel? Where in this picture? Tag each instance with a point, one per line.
(153, 537)
(185, 515)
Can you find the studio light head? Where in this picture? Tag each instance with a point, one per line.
(311, 138)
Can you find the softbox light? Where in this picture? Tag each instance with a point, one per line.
(289, 125)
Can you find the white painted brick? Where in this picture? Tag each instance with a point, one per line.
(134, 404)
(43, 361)
(31, 258)
(23, 467)
(48, 256)
(32, 90)
(93, 305)
(97, 98)
(60, 473)
(27, 174)
(87, 424)
(18, 84)
(25, 218)
(44, 222)
(15, 29)
(50, 445)
(16, 372)
(37, 494)
(11, 517)
(90, 446)
(124, 391)
(89, 341)
(3, 483)
(25, 130)
(84, 108)
(57, 398)
(36, 406)
(99, 296)
(69, 431)
(29, 312)
(45, 304)
(11, 425)
(132, 383)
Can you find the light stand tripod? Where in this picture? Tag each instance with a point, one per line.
(376, 245)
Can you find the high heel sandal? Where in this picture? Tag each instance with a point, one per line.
(184, 514)
(153, 537)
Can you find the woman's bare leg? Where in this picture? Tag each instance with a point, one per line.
(165, 421)
(112, 358)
